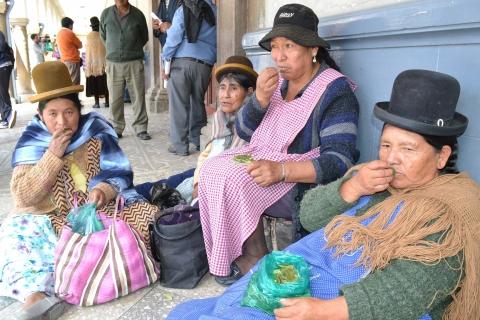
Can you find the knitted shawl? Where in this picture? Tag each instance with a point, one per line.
(448, 205)
(114, 165)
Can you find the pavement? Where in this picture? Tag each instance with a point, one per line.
(150, 161)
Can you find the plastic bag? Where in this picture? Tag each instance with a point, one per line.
(280, 275)
(84, 219)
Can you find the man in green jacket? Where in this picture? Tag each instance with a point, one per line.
(124, 32)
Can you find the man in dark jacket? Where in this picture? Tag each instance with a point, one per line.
(6, 66)
(166, 10)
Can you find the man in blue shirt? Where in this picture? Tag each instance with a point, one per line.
(191, 46)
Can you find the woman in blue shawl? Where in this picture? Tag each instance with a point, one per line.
(60, 155)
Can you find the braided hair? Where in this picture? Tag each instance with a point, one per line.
(324, 55)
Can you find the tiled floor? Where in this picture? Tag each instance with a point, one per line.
(150, 161)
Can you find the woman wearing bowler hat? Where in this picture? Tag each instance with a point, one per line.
(302, 106)
(395, 238)
(61, 157)
(236, 82)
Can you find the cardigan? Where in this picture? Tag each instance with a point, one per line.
(123, 43)
(401, 290)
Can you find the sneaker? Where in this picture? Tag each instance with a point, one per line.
(143, 135)
(12, 118)
(96, 106)
(3, 125)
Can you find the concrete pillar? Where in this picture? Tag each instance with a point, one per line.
(20, 42)
(231, 16)
(156, 96)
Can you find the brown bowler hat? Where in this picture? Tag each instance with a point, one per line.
(237, 64)
(52, 80)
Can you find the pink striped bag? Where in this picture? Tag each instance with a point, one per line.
(103, 265)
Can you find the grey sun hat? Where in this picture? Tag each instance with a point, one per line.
(297, 23)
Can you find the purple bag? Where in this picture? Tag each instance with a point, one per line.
(103, 265)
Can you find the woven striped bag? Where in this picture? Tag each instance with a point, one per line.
(103, 265)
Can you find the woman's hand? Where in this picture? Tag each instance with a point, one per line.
(98, 197)
(267, 82)
(265, 172)
(60, 140)
(373, 177)
(195, 191)
(312, 309)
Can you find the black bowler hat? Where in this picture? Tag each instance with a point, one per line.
(297, 23)
(424, 102)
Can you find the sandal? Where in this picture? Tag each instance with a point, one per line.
(49, 308)
(235, 274)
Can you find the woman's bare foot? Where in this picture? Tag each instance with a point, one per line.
(31, 299)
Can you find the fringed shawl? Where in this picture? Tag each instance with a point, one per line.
(223, 126)
(94, 55)
(448, 205)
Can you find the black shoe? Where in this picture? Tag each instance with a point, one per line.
(235, 274)
(96, 106)
(197, 148)
(143, 135)
(172, 149)
(119, 135)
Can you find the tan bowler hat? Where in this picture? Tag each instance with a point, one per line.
(237, 64)
(52, 80)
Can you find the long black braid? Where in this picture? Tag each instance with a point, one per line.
(324, 55)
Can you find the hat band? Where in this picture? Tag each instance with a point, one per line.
(440, 122)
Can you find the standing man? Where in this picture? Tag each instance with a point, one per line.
(124, 32)
(37, 53)
(191, 46)
(8, 114)
(69, 44)
(166, 11)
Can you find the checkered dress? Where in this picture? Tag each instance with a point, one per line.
(231, 203)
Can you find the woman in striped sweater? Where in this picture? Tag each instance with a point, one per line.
(301, 125)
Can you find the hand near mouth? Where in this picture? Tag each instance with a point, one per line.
(373, 177)
(60, 140)
(267, 83)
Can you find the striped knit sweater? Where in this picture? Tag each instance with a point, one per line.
(332, 126)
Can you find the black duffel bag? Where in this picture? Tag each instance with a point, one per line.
(177, 243)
